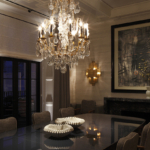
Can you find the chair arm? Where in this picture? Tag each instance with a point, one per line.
(140, 147)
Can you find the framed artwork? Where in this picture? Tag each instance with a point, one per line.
(131, 57)
(121, 128)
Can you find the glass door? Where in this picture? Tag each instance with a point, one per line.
(19, 89)
(33, 87)
(22, 94)
(8, 99)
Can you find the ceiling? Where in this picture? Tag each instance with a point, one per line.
(120, 3)
(94, 8)
(38, 5)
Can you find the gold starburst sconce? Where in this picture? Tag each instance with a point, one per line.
(93, 73)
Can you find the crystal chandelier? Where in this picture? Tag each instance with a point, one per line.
(63, 39)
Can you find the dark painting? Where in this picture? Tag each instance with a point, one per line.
(134, 57)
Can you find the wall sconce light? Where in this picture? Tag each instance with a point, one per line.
(93, 73)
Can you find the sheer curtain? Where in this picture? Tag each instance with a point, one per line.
(61, 91)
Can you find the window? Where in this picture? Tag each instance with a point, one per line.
(20, 84)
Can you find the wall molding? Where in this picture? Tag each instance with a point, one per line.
(20, 56)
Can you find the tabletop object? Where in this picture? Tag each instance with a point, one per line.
(58, 130)
(73, 121)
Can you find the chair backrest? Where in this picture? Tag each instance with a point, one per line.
(8, 124)
(145, 137)
(129, 142)
(42, 117)
(66, 112)
(87, 105)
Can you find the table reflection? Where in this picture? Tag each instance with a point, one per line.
(55, 143)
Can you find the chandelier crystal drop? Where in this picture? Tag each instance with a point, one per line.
(63, 39)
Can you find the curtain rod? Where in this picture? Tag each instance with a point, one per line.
(19, 19)
(29, 9)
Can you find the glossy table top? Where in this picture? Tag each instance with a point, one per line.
(98, 132)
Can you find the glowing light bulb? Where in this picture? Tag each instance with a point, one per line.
(98, 73)
(80, 23)
(70, 21)
(86, 25)
(40, 28)
(95, 129)
(73, 32)
(43, 25)
(52, 21)
(98, 134)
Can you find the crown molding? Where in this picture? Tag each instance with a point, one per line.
(131, 9)
(139, 9)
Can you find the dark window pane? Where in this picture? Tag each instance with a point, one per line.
(33, 70)
(7, 86)
(21, 70)
(7, 97)
(33, 87)
(22, 93)
(33, 103)
(21, 88)
(7, 69)
(22, 109)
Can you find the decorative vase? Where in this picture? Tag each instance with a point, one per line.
(148, 92)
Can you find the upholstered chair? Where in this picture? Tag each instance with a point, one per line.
(129, 142)
(42, 117)
(66, 112)
(145, 138)
(87, 106)
(8, 124)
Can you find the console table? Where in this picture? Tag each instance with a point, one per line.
(117, 106)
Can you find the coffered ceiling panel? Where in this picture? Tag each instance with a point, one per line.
(119, 3)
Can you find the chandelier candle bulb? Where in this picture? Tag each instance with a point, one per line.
(43, 25)
(70, 27)
(51, 28)
(70, 23)
(40, 31)
(86, 28)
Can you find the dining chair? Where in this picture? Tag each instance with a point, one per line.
(8, 124)
(129, 142)
(42, 117)
(145, 138)
(66, 112)
(87, 106)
